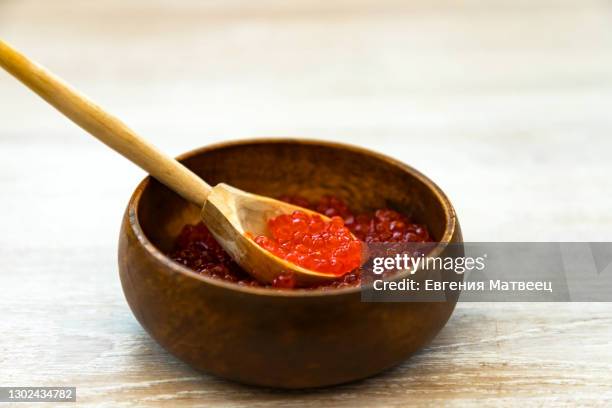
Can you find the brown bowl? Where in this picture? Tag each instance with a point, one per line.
(279, 338)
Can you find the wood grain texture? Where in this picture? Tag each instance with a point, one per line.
(505, 104)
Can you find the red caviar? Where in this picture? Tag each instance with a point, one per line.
(313, 243)
(196, 248)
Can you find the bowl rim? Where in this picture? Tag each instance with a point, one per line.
(175, 267)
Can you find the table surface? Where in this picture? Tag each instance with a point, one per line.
(505, 104)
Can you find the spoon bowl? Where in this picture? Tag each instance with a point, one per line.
(230, 213)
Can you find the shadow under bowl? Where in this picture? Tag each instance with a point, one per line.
(268, 337)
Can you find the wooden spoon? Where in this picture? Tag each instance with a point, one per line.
(227, 211)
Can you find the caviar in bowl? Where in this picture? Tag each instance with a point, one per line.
(278, 337)
(301, 237)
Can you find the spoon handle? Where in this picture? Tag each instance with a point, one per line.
(104, 126)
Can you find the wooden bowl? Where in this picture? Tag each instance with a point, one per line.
(285, 339)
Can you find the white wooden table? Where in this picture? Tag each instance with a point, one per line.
(506, 104)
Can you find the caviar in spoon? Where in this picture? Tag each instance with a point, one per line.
(313, 243)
